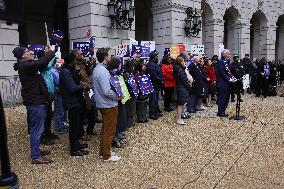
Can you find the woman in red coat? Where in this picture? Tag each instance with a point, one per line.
(210, 72)
(169, 84)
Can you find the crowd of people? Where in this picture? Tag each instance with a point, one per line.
(78, 89)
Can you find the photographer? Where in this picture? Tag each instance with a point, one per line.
(238, 72)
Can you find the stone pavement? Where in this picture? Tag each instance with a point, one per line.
(208, 152)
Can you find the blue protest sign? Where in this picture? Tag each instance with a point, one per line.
(167, 51)
(145, 84)
(114, 81)
(84, 47)
(36, 48)
(131, 81)
(145, 52)
(56, 37)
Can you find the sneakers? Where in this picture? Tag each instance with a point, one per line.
(112, 158)
(181, 122)
(111, 154)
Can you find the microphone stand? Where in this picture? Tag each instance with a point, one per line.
(8, 179)
(238, 104)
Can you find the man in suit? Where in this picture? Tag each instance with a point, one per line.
(197, 87)
(224, 77)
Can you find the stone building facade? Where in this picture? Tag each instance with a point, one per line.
(255, 27)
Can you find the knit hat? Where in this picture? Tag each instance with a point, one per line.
(18, 52)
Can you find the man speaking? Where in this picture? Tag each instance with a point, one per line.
(224, 77)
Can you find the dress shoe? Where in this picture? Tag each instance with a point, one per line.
(159, 115)
(153, 117)
(82, 146)
(47, 142)
(44, 152)
(79, 153)
(222, 115)
(41, 161)
(62, 131)
(92, 133)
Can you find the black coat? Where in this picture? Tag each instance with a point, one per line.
(34, 90)
(196, 73)
(71, 89)
(237, 70)
(182, 84)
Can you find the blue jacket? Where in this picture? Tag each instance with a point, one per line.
(223, 73)
(71, 89)
(155, 73)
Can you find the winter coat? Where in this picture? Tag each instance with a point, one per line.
(195, 72)
(167, 72)
(48, 78)
(71, 89)
(182, 83)
(155, 73)
(34, 90)
(210, 72)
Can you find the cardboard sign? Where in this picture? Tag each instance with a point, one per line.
(36, 48)
(121, 50)
(145, 84)
(197, 49)
(131, 81)
(84, 47)
(174, 51)
(114, 81)
(56, 37)
(124, 90)
(150, 44)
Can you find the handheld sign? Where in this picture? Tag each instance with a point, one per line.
(124, 90)
(114, 81)
(145, 84)
(35, 48)
(131, 81)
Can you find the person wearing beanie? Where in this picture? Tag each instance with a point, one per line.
(35, 96)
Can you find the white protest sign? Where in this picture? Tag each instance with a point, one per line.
(246, 82)
(132, 42)
(150, 44)
(221, 47)
(121, 50)
(197, 49)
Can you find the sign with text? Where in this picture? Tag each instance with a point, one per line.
(131, 81)
(145, 84)
(150, 44)
(84, 47)
(197, 49)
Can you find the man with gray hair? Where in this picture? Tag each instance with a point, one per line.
(224, 77)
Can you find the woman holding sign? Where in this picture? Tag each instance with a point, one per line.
(182, 87)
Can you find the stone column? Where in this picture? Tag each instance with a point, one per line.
(9, 39)
(245, 39)
(270, 44)
(218, 34)
(93, 14)
(280, 49)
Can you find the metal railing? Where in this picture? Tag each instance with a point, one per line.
(10, 88)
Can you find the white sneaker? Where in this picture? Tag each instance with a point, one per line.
(113, 158)
(111, 153)
(181, 122)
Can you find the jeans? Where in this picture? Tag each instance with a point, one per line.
(192, 103)
(58, 112)
(36, 117)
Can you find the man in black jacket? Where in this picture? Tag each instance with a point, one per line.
(238, 72)
(72, 94)
(35, 95)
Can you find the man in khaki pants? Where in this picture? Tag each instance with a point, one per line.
(107, 102)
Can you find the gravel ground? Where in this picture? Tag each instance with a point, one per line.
(208, 152)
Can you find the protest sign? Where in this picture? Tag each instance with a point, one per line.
(197, 49)
(143, 51)
(131, 81)
(56, 37)
(124, 90)
(36, 48)
(145, 84)
(221, 47)
(150, 44)
(181, 47)
(114, 81)
(246, 83)
(121, 50)
(84, 47)
(167, 51)
(131, 43)
(174, 51)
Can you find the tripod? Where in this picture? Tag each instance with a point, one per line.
(8, 179)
